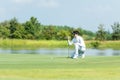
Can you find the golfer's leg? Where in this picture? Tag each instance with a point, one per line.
(76, 51)
(83, 55)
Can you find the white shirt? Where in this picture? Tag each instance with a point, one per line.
(78, 40)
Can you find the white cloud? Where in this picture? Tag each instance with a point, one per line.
(22, 1)
(99, 9)
(48, 3)
(38, 3)
(2, 12)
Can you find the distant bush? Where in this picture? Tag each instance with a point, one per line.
(95, 44)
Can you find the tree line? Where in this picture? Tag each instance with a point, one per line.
(33, 29)
(101, 34)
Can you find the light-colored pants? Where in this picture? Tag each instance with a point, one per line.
(78, 51)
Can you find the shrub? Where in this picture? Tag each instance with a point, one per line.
(95, 44)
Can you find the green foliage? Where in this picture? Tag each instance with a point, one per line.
(116, 31)
(89, 35)
(100, 34)
(13, 27)
(95, 44)
(4, 29)
(4, 32)
(49, 32)
(63, 34)
(32, 29)
(108, 35)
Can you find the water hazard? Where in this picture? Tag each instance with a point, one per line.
(62, 52)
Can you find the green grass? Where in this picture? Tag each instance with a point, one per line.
(35, 44)
(110, 44)
(49, 67)
(31, 44)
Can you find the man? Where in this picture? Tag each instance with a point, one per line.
(79, 45)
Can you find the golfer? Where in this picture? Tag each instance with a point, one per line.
(79, 45)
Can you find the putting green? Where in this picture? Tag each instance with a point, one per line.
(49, 67)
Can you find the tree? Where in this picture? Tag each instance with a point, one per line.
(63, 34)
(16, 29)
(4, 29)
(32, 28)
(100, 34)
(49, 32)
(13, 26)
(108, 35)
(116, 31)
(4, 32)
(88, 35)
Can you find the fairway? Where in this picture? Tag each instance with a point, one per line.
(50, 67)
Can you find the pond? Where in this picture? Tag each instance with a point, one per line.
(62, 52)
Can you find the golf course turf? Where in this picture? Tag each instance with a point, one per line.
(51, 67)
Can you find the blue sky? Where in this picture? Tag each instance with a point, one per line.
(87, 14)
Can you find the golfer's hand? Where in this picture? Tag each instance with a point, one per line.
(68, 37)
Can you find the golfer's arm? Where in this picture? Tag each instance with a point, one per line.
(82, 43)
(79, 44)
(70, 42)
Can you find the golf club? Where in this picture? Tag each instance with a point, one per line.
(68, 45)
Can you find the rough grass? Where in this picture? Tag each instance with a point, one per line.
(31, 44)
(35, 44)
(47, 67)
(110, 44)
